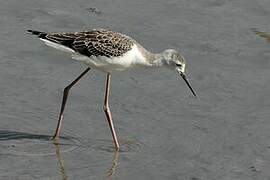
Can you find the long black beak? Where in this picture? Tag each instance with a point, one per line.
(185, 79)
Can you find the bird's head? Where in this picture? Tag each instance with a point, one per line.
(172, 59)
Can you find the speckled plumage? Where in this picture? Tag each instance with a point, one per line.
(96, 42)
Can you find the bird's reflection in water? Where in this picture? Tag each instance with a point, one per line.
(111, 172)
(60, 161)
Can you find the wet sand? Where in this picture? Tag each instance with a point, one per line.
(165, 133)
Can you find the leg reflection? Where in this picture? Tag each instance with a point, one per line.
(60, 161)
(111, 172)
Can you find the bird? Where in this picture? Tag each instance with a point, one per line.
(108, 51)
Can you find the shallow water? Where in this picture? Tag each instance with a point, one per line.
(164, 132)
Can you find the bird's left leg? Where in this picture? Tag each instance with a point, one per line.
(64, 100)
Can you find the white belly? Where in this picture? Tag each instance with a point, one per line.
(128, 60)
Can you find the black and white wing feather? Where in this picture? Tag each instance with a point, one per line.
(96, 42)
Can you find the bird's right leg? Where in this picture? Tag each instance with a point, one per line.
(64, 100)
(108, 113)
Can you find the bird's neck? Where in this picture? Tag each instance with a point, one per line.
(154, 59)
(158, 60)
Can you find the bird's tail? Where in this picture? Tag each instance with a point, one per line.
(37, 33)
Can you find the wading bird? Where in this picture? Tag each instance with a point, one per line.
(108, 51)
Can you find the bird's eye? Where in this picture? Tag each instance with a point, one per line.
(179, 65)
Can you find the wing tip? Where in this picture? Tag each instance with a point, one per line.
(37, 33)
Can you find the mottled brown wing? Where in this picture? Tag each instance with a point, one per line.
(102, 43)
(96, 42)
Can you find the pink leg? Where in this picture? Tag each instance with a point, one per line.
(107, 111)
(64, 100)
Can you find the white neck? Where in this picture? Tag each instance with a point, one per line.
(158, 60)
(152, 59)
